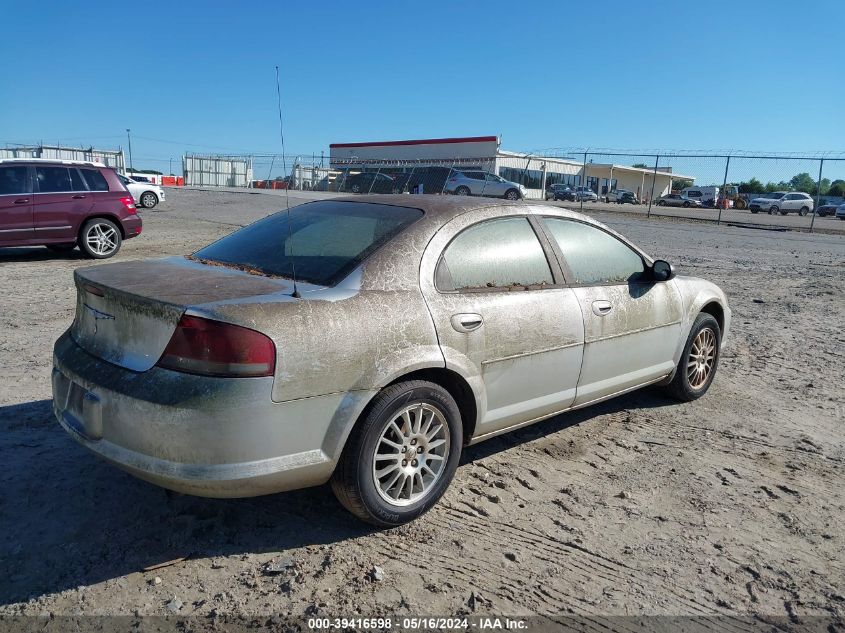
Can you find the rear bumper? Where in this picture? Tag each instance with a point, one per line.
(132, 226)
(211, 437)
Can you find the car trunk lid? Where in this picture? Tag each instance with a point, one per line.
(127, 312)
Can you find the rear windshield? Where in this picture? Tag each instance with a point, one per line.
(325, 240)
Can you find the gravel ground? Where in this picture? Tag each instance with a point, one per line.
(729, 505)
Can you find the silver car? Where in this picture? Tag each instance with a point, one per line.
(365, 341)
(483, 183)
(585, 194)
(677, 200)
(783, 202)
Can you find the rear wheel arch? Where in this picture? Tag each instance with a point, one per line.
(458, 388)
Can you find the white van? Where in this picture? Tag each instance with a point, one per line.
(707, 196)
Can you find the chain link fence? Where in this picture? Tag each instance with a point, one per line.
(737, 188)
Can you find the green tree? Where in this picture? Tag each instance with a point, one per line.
(640, 166)
(681, 183)
(751, 186)
(837, 188)
(803, 182)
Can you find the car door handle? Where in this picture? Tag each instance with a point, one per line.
(601, 308)
(21, 200)
(466, 322)
(78, 196)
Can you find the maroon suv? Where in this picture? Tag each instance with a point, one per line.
(65, 204)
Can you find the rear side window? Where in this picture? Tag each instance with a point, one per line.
(53, 179)
(325, 240)
(13, 180)
(494, 254)
(76, 182)
(593, 256)
(96, 181)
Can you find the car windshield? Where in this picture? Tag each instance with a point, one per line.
(325, 240)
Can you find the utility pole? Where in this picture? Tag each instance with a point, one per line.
(129, 138)
(171, 165)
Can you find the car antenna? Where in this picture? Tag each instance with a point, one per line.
(295, 293)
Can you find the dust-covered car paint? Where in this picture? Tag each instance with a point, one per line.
(538, 352)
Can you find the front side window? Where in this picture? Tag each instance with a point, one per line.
(13, 180)
(497, 253)
(594, 256)
(324, 242)
(53, 179)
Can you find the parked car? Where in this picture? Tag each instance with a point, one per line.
(827, 209)
(621, 196)
(145, 194)
(483, 183)
(62, 204)
(840, 212)
(368, 182)
(391, 350)
(585, 194)
(559, 191)
(783, 202)
(677, 200)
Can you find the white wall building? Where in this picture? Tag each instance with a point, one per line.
(485, 153)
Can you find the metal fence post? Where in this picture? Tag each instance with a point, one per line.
(724, 191)
(445, 182)
(653, 180)
(818, 194)
(583, 182)
(378, 171)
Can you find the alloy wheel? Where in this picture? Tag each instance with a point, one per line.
(702, 357)
(101, 239)
(411, 454)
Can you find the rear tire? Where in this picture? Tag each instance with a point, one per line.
(100, 238)
(773, 210)
(804, 211)
(699, 360)
(149, 200)
(462, 191)
(395, 423)
(686, 205)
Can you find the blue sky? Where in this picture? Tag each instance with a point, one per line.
(200, 76)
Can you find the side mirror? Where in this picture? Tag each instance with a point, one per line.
(662, 270)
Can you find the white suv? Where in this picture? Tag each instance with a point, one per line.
(146, 194)
(783, 202)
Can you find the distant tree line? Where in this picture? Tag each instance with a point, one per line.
(799, 182)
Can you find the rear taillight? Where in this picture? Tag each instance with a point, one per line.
(211, 348)
(129, 203)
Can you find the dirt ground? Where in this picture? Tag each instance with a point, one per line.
(729, 505)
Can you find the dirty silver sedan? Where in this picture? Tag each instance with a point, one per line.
(366, 341)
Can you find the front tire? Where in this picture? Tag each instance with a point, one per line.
(402, 454)
(699, 360)
(512, 194)
(356, 188)
(804, 211)
(149, 200)
(100, 238)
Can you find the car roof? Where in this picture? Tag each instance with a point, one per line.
(55, 161)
